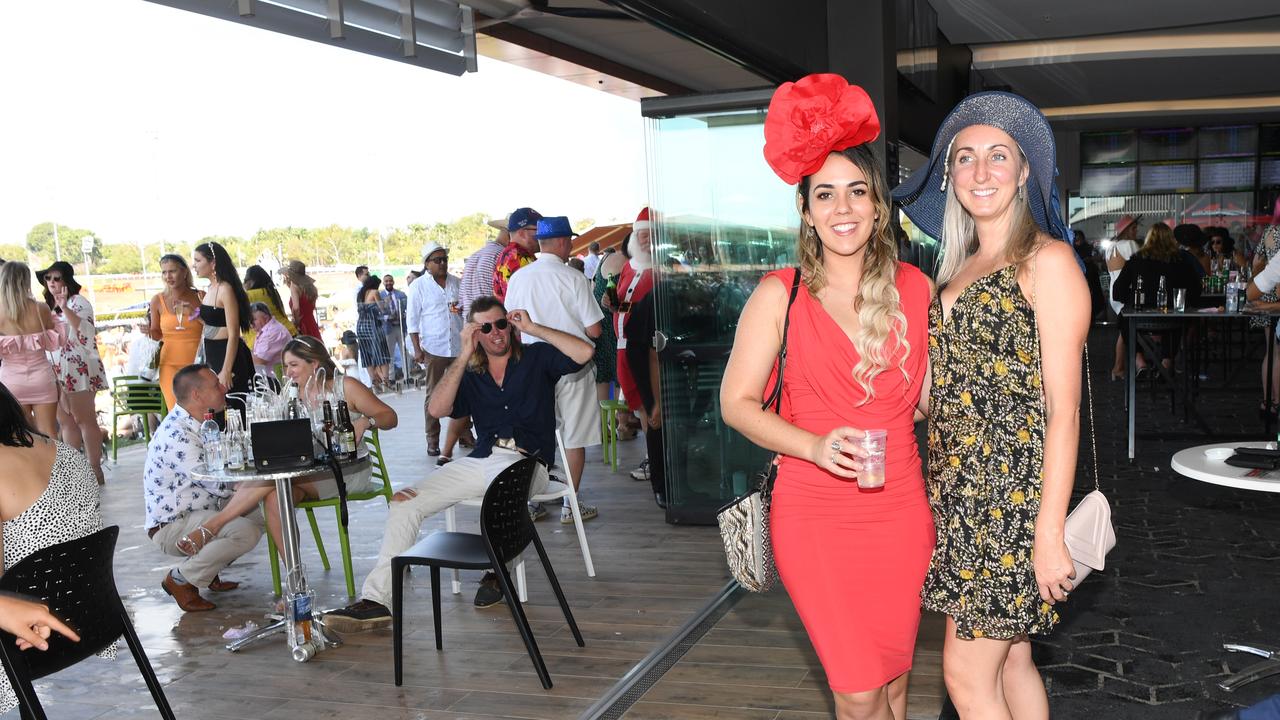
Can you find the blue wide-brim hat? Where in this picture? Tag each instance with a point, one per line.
(555, 226)
(923, 196)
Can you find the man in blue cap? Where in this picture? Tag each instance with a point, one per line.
(559, 297)
(523, 226)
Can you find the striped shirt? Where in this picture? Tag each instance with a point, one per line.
(477, 274)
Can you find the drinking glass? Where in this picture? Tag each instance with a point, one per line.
(872, 475)
(1180, 300)
(180, 309)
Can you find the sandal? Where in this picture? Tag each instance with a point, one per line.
(444, 460)
(191, 546)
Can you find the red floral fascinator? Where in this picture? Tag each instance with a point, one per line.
(812, 118)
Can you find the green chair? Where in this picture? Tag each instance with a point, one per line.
(380, 473)
(609, 430)
(134, 395)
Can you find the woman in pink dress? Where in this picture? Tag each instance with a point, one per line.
(77, 364)
(28, 333)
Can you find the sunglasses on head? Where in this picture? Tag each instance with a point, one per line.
(501, 324)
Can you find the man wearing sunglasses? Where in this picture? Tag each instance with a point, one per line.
(509, 390)
(433, 320)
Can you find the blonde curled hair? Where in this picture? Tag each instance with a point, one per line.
(960, 233)
(15, 294)
(882, 325)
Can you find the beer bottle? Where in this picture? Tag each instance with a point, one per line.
(345, 432)
(328, 430)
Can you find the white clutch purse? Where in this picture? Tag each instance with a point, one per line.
(1090, 535)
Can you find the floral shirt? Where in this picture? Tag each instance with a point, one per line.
(77, 363)
(175, 450)
(512, 258)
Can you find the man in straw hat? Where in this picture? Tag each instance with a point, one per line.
(477, 270)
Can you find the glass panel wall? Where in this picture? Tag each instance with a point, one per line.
(722, 220)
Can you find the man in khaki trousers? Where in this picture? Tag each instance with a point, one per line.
(178, 506)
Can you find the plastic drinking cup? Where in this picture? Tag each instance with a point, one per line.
(872, 475)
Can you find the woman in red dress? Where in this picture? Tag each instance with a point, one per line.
(302, 298)
(852, 559)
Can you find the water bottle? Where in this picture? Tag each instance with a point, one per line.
(1162, 296)
(211, 436)
(298, 622)
(235, 450)
(1232, 297)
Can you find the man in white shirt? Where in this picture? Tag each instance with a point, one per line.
(434, 321)
(559, 297)
(592, 261)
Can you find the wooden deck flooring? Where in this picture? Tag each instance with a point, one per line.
(651, 577)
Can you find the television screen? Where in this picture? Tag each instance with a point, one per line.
(1167, 177)
(1231, 141)
(1269, 139)
(1108, 147)
(1167, 144)
(1226, 174)
(1106, 180)
(1270, 172)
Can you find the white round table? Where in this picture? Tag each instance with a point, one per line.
(1193, 463)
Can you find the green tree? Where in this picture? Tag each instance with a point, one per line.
(13, 252)
(120, 258)
(41, 244)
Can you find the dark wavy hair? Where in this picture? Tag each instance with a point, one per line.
(226, 271)
(370, 283)
(68, 277)
(14, 429)
(257, 278)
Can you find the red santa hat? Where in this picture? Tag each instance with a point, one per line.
(642, 221)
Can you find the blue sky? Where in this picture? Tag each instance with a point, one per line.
(142, 122)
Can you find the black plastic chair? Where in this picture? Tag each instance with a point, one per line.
(505, 532)
(76, 579)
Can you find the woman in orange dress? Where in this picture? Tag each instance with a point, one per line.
(169, 310)
(852, 559)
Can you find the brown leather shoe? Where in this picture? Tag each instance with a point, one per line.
(219, 585)
(186, 595)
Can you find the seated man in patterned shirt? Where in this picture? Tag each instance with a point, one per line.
(179, 508)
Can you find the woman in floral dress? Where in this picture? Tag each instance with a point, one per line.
(76, 364)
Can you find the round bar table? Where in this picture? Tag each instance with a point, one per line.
(1193, 463)
(295, 578)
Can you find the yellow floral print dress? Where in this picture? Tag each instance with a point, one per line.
(986, 455)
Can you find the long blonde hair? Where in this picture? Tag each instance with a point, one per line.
(882, 324)
(960, 233)
(1160, 244)
(16, 299)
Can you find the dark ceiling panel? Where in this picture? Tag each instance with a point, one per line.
(984, 21)
(1088, 83)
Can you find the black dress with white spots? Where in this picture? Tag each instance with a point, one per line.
(67, 510)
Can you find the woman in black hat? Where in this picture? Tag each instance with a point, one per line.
(1006, 333)
(77, 363)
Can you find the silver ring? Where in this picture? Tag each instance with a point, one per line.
(835, 445)
(833, 458)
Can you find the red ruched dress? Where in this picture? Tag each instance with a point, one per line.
(854, 560)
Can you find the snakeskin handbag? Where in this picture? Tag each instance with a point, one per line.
(744, 522)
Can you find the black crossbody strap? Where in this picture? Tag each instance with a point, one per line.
(775, 397)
